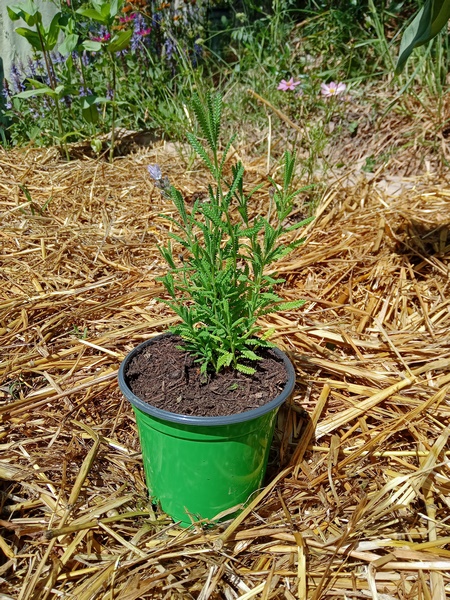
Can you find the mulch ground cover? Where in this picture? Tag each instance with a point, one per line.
(357, 498)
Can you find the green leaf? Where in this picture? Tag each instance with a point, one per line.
(300, 224)
(428, 22)
(69, 44)
(52, 33)
(120, 41)
(92, 46)
(224, 360)
(201, 152)
(26, 11)
(113, 8)
(250, 355)
(245, 369)
(37, 92)
(31, 36)
(93, 14)
(290, 305)
(89, 109)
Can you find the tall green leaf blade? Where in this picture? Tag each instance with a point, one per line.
(53, 31)
(428, 22)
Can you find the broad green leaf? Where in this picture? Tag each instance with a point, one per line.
(106, 10)
(27, 11)
(92, 46)
(114, 8)
(120, 41)
(69, 44)
(93, 14)
(428, 22)
(31, 36)
(89, 109)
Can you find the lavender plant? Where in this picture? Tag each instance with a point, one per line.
(222, 287)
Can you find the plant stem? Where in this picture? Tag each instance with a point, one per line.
(113, 116)
(49, 67)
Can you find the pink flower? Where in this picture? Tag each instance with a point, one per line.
(127, 19)
(102, 38)
(287, 85)
(332, 89)
(143, 32)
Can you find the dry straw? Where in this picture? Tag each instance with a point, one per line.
(358, 501)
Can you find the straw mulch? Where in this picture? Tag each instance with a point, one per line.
(357, 499)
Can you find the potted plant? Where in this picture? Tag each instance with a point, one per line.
(206, 394)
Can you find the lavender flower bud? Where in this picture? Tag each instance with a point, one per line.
(155, 172)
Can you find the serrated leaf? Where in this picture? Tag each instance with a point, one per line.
(224, 360)
(201, 152)
(250, 355)
(245, 369)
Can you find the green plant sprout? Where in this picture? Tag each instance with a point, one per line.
(222, 287)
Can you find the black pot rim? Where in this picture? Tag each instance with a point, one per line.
(165, 415)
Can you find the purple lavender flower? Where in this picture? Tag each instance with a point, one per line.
(32, 68)
(85, 59)
(196, 54)
(156, 20)
(139, 25)
(7, 95)
(169, 47)
(161, 182)
(84, 91)
(17, 78)
(57, 58)
(155, 172)
(109, 93)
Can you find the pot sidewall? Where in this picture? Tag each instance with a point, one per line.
(201, 466)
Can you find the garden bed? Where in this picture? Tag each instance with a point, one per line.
(357, 499)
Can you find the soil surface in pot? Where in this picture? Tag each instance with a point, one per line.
(167, 377)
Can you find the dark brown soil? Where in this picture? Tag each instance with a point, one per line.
(167, 377)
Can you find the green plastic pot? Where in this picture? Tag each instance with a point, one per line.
(198, 467)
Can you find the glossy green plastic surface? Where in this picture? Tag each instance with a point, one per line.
(203, 471)
(198, 467)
